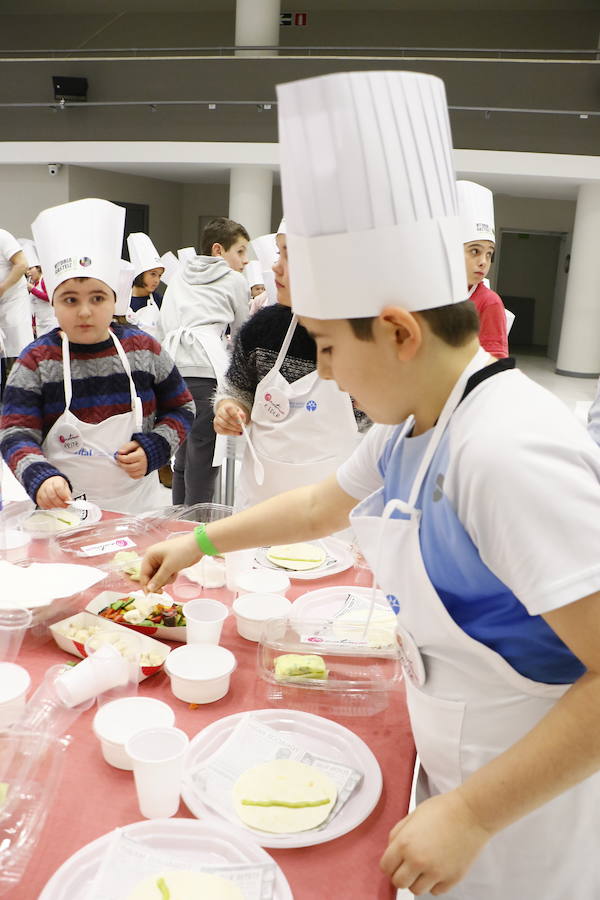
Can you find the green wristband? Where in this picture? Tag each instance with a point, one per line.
(204, 542)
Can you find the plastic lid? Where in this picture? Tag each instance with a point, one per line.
(14, 681)
(262, 581)
(120, 719)
(200, 662)
(258, 607)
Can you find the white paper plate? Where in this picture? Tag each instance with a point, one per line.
(339, 558)
(210, 841)
(80, 512)
(324, 737)
(326, 603)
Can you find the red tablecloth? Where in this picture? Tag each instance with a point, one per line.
(94, 797)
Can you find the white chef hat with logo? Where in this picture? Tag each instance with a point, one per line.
(82, 239)
(254, 273)
(369, 194)
(142, 253)
(30, 252)
(476, 210)
(170, 264)
(126, 275)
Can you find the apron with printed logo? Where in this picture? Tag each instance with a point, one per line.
(467, 705)
(84, 452)
(301, 432)
(147, 318)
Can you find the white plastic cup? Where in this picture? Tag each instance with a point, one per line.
(158, 756)
(237, 562)
(14, 684)
(101, 648)
(204, 620)
(116, 722)
(13, 625)
(99, 672)
(46, 711)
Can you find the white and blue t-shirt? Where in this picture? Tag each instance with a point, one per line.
(510, 524)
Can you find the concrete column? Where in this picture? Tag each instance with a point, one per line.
(250, 196)
(579, 347)
(256, 23)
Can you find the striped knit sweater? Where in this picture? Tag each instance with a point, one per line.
(34, 399)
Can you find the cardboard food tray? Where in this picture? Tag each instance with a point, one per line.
(175, 633)
(84, 619)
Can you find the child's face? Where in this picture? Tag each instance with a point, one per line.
(478, 258)
(152, 279)
(84, 308)
(237, 255)
(281, 272)
(256, 289)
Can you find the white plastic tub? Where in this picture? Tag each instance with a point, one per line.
(200, 673)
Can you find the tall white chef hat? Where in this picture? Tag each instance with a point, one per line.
(265, 249)
(170, 264)
(142, 253)
(476, 210)
(369, 194)
(30, 252)
(254, 274)
(126, 275)
(82, 239)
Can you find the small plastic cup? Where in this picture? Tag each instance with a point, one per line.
(204, 619)
(13, 625)
(100, 672)
(14, 684)
(116, 722)
(237, 562)
(158, 756)
(101, 649)
(46, 711)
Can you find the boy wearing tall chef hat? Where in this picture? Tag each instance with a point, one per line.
(476, 210)
(91, 409)
(475, 501)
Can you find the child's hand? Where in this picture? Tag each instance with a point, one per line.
(53, 493)
(162, 562)
(432, 848)
(132, 459)
(228, 416)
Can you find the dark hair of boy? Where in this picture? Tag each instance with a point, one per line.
(454, 324)
(221, 231)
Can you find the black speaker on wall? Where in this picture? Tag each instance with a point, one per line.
(68, 88)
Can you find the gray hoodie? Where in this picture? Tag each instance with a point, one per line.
(205, 291)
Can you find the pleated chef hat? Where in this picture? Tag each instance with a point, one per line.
(369, 194)
(476, 210)
(82, 239)
(265, 249)
(254, 274)
(126, 275)
(29, 251)
(142, 253)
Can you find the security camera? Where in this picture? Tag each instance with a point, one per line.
(54, 168)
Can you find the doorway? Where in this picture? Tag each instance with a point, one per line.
(527, 282)
(137, 216)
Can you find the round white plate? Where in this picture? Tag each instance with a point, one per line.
(80, 512)
(210, 841)
(324, 738)
(327, 603)
(339, 558)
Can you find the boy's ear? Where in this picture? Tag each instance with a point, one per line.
(403, 328)
(216, 249)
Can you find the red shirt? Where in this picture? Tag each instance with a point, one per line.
(492, 321)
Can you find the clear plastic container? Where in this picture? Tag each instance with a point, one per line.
(357, 675)
(205, 512)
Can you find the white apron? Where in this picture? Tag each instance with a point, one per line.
(147, 318)
(15, 318)
(301, 432)
(84, 452)
(43, 313)
(467, 705)
(210, 337)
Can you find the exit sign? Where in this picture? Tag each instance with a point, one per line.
(293, 18)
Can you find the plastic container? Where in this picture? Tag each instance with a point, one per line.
(13, 625)
(204, 512)
(117, 721)
(200, 673)
(158, 756)
(14, 684)
(359, 677)
(204, 620)
(252, 611)
(263, 581)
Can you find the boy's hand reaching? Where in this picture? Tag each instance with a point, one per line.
(433, 847)
(132, 459)
(228, 416)
(53, 493)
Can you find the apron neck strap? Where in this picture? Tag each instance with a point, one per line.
(286, 343)
(477, 362)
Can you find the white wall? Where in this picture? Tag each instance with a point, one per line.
(25, 191)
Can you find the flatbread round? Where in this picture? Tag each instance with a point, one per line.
(283, 796)
(297, 557)
(185, 885)
(51, 521)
